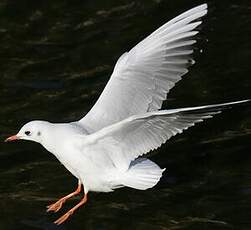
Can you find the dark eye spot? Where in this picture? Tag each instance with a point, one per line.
(39, 133)
(27, 133)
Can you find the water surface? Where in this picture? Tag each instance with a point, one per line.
(56, 57)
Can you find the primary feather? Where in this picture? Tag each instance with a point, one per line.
(127, 140)
(143, 76)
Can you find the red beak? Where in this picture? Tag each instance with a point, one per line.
(12, 138)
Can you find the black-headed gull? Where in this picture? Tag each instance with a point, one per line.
(103, 149)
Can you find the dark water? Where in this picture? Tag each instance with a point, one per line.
(55, 58)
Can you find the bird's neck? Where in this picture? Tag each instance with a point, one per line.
(57, 136)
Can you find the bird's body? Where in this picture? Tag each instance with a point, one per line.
(104, 149)
(67, 142)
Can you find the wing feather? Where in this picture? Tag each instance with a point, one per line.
(143, 76)
(128, 139)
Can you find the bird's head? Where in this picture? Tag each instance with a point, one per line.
(32, 131)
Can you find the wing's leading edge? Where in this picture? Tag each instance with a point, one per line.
(128, 139)
(143, 76)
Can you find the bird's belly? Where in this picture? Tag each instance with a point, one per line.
(93, 175)
(98, 177)
(102, 181)
(70, 167)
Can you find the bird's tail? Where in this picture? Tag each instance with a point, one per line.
(142, 174)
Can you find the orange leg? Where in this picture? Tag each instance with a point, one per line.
(63, 218)
(58, 205)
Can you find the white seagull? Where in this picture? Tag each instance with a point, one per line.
(103, 149)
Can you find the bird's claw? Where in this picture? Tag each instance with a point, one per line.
(63, 218)
(55, 207)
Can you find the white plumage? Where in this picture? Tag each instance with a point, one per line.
(103, 149)
(143, 76)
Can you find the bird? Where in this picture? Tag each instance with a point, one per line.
(105, 149)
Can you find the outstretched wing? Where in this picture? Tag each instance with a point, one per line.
(143, 76)
(137, 135)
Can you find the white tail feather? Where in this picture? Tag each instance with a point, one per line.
(142, 174)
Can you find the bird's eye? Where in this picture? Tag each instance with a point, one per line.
(28, 133)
